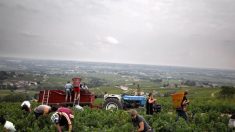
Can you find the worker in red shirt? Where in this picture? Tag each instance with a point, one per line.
(63, 119)
(76, 89)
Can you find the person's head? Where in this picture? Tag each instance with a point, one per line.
(25, 107)
(68, 81)
(150, 94)
(53, 109)
(2, 120)
(233, 116)
(185, 92)
(133, 113)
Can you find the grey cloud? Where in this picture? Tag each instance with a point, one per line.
(109, 40)
(168, 32)
(29, 34)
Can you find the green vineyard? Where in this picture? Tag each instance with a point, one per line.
(206, 113)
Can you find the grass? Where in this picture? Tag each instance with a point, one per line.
(5, 92)
(8, 92)
(111, 90)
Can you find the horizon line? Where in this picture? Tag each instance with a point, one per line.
(177, 66)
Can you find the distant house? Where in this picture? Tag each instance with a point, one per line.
(33, 83)
(136, 80)
(214, 85)
(7, 83)
(141, 93)
(124, 88)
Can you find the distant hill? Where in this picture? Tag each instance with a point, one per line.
(143, 71)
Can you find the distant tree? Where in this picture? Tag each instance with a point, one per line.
(166, 84)
(190, 83)
(15, 97)
(138, 90)
(36, 96)
(205, 83)
(12, 74)
(3, 75)
(12, 88)
(39, 87)
(227, 91)
(95, 82)
(156, 80)
(176, 85)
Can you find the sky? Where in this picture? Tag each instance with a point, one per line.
(190, 33)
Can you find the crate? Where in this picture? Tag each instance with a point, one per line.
(76, 82)
(177, 99)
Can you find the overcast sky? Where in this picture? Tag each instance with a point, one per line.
(194, 33)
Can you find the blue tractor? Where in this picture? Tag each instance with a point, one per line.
(115, 101)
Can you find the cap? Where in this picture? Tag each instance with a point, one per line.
(55, 118)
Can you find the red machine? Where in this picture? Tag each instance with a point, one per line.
(57, 97)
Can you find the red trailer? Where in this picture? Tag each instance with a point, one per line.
(57, 97)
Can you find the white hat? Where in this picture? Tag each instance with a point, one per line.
(79, 107)
(55, 118)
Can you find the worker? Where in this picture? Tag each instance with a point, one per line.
(43, 110)
(7, 125)
(26, 106)
(63, 118)
(84, 86)
(181, 111)
(139, 122)
(149, 104)
(77, 94)
(231, 122)
(68, 90)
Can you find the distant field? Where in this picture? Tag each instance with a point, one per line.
(5, 92)
(8, 92)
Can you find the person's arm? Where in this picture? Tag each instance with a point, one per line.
(151, 100)
(141, 126)
(71, 88)
(70, 128)
(58, 128)
(5, 130)
(46, 112)
(185, 101)
(68, 120)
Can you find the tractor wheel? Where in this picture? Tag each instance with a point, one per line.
(112, 104)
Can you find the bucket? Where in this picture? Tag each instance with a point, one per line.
(177, 99)
(76, 82)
